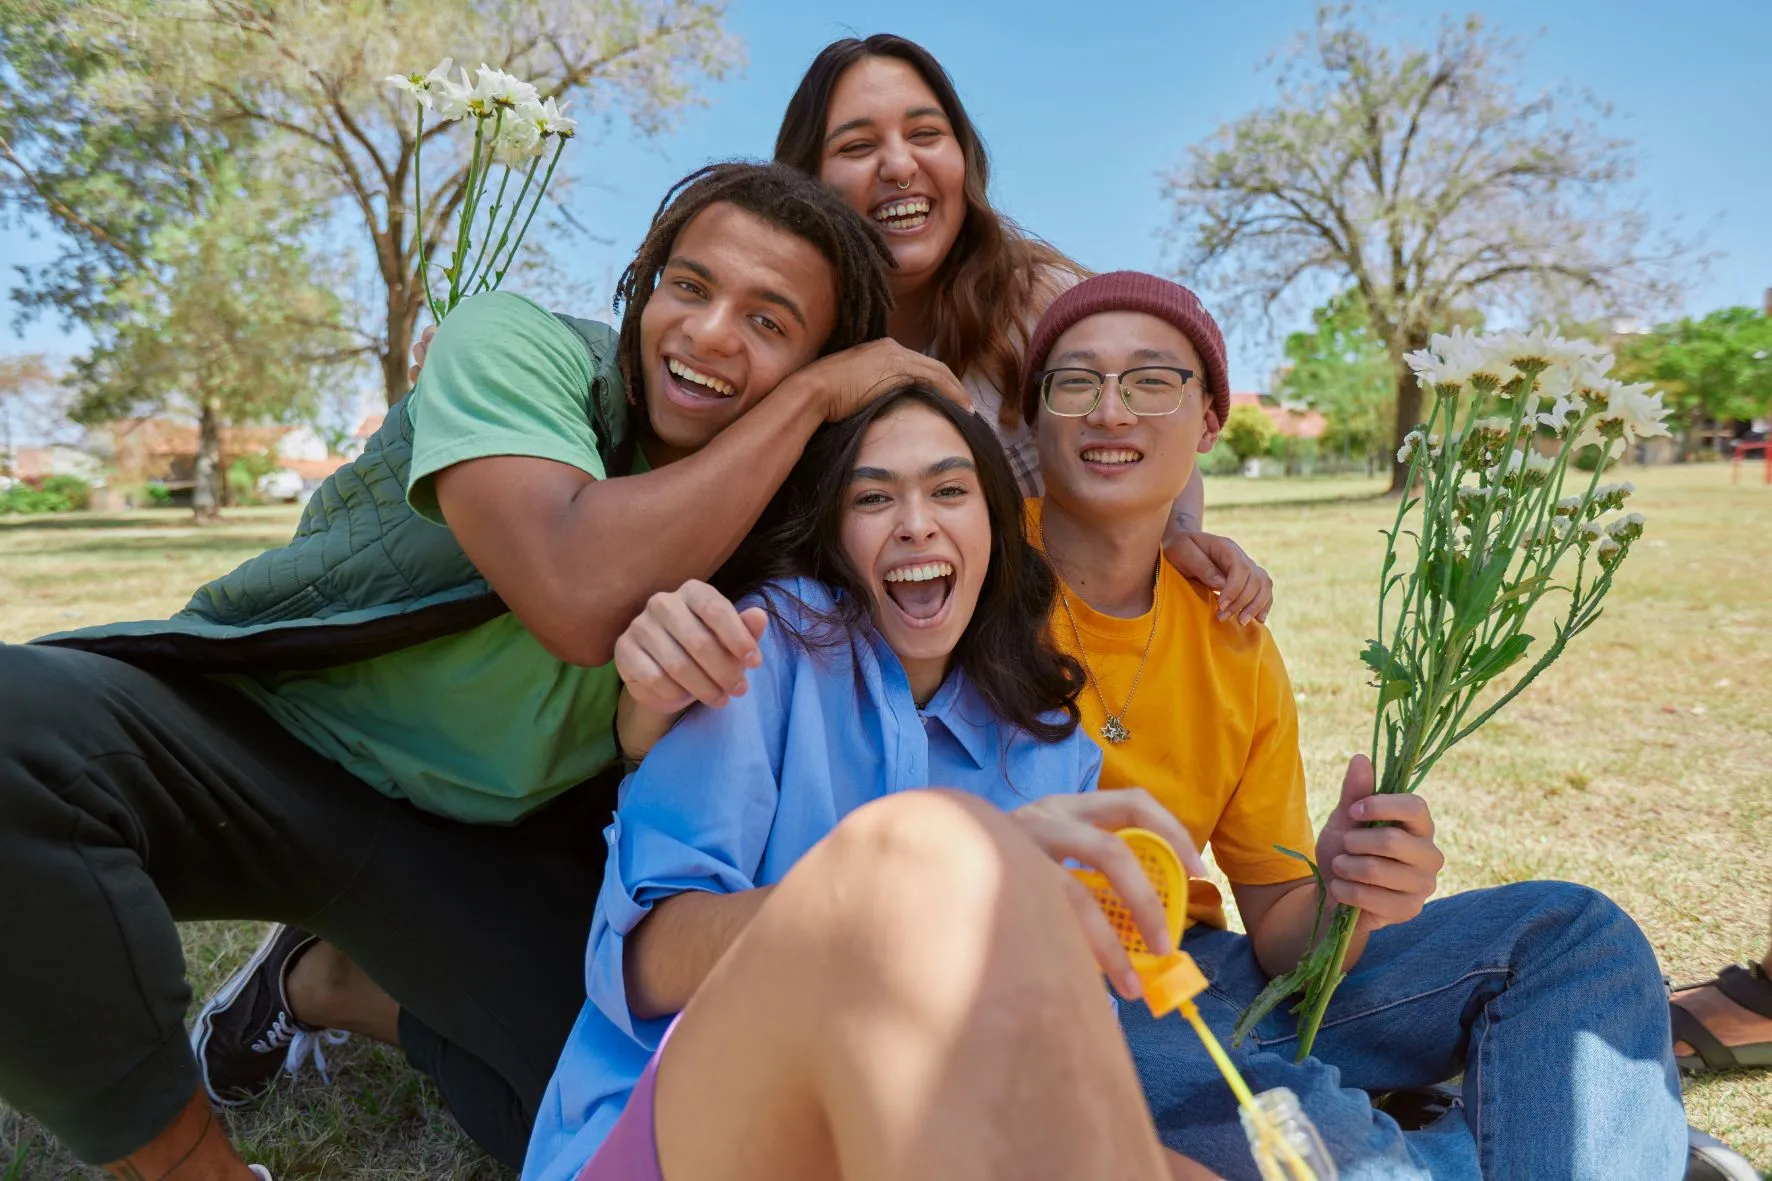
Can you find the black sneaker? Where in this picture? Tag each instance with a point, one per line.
(246, 1031)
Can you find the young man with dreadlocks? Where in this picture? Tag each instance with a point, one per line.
(396, 732)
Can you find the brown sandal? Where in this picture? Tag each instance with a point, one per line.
(1747, 987)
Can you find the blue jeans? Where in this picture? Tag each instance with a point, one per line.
(1544, 994)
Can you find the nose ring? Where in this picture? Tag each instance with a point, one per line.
(904, 184)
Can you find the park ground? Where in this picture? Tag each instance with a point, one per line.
(1641, 764)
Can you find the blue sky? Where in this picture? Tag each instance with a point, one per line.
(1083, 105)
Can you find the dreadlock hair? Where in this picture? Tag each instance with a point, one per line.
(1006, 651)
(790, 201)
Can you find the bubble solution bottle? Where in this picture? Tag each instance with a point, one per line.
(1285, 1144)
(1288, 1141)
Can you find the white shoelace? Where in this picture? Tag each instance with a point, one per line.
(304, 1045)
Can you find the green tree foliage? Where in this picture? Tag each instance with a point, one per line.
(184, 245)
(1342, 370)
(106, 180)
(1712, 369)
(230, 319)
(1248, 432)
(308, 78)
(1428, 180)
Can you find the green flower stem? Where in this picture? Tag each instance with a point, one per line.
(486, 280)
(1316, 1003)
(539, 193)
(491, 222)
(478, 168)
(418, 214)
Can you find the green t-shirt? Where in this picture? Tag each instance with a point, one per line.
(484, 725)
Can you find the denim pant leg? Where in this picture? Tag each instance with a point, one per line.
(1550, 998)
(1545, 994)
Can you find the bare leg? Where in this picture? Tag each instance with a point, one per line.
(916, 1000)
(1732, 1024)
(326, 989)
(192, 1148)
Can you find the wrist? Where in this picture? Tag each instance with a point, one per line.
(808, 396)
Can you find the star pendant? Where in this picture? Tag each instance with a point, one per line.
(1115, 731)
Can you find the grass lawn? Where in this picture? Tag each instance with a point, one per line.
(1642, 764)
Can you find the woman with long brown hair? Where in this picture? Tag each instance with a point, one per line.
(879, 120)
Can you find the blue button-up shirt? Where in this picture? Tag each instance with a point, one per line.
(731, 798)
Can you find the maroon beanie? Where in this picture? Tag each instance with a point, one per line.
(1132, 291)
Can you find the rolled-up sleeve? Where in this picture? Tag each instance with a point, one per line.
(696, 815)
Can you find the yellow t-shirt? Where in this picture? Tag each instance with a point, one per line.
(1213, 727)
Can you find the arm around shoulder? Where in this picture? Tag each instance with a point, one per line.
(576, 556)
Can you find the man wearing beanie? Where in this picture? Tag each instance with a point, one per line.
(1545, 995)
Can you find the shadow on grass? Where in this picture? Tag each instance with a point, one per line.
(137, 546)
(1345, 498)
(170, 519)
(58, 521)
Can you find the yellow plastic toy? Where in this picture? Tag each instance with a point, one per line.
(1285, 1144)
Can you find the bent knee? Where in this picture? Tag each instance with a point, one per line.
(1587, 917)
(933, 855)
(53, 718)
(925, 895)
(42, 686)
(938, 833)
(1579, 906)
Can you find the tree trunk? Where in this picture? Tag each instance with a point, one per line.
(398, 356)
(1408, 418)
(1408, 404)
(206, 496)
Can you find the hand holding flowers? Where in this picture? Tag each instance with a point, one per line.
(1483, 539)
(1377, 852)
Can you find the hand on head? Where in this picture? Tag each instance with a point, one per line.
(849, 380)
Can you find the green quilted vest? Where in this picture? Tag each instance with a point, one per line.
(362, 576)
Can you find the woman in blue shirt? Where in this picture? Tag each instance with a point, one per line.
(908, 956)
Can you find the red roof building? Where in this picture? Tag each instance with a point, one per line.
(1293, 423)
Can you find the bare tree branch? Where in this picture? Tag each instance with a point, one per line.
(1424, 179)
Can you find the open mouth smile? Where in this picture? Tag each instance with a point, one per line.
(903, 215)
(692, 385)
(921, 592)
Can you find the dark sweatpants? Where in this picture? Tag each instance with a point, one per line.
(129, 803)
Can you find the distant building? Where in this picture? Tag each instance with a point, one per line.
(57, 459)
(1292, 420)
(163, 451)
(360, 437)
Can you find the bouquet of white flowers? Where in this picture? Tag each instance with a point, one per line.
(513, 128)
(1484, 537)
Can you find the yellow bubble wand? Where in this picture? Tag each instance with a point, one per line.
(1285, 1144)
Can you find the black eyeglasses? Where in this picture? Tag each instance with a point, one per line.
(1148, 391)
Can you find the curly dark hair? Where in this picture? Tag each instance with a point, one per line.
(1006, 650)
(788, 200)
